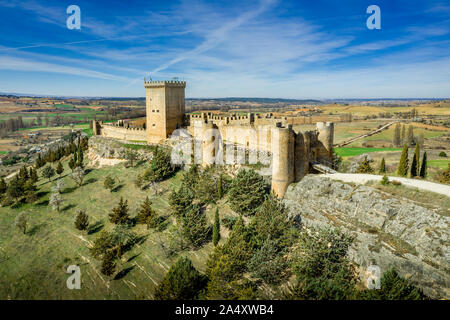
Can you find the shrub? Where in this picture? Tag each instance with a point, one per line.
(365, 167)
(109, 183)
(442, 154)
(385, 180)
(229, 222)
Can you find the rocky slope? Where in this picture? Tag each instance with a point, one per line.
(389, 232)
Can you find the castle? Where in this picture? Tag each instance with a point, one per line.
(293, 154)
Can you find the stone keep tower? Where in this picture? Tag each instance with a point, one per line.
(326, 135)
(164, 108)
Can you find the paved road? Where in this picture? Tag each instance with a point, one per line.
(363, 178)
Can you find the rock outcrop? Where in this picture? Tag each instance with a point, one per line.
(108, 151)
(389, 232)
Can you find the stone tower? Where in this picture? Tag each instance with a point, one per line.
(326, 134)
(164, 107)
(283, 153)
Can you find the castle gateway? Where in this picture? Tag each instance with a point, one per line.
(292, 154)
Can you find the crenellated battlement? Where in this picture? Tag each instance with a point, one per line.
(164, 83)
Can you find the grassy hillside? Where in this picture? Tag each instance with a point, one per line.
(33, 265)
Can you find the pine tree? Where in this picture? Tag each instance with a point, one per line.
(15, 188)
(423, 167)
(81, 220)
(216, 228)
(147, 215)
(59, 169)
(119, 214)
(247, 192)
(195, 227)
(182, 282)
(382, 166)
(402, 169)
(415, 162)
(108, 265)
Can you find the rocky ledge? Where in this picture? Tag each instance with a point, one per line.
(389, 232)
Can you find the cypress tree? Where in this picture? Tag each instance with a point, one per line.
(402, 169)
(59, 169)
(415, 162)
(403, 134)
(423, 167)
(216, 228)
(383, 166)
(410, 136)
(397, 138)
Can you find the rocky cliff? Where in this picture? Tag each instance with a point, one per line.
(389, 232)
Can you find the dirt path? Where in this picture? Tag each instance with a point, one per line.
(363, 178)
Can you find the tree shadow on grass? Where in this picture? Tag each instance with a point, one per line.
(35, 229)
(117, 188)
(124, 272)
(42, 203)
(90, 180)
(68, 207)
(87, 171)
(69, 190)
(134, 257)
(96, 227)
(41, 194)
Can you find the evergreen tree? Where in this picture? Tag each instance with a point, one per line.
(81, 220)
(108, 265)
(3, 186)
(181, 199)
(216, 228)
(410, 136)
(119, 214)
(147, 215)
(393, 287)
(80, 157)
(23, 174)
(382, 166)
(195, 227)
(59, 169)
(33, 175)
(423, 167)
(160, 166)
(72, 163)
(397, 136)
(402, 169)
(385, 180)
(48, 172)
(247, 192)
(15, 189)
(109, 183)
(403, 134)
(415, 162)
(182, 282)
(365, 167)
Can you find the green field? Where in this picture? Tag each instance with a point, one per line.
(351, 152)
(441, 163)
(33, 266)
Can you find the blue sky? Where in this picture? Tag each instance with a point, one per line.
(266, 48)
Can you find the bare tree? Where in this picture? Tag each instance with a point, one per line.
(56, 201)
(78, 176)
